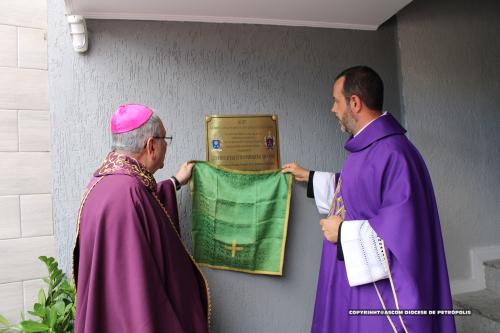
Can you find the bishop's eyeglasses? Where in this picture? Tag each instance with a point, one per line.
(168, 139)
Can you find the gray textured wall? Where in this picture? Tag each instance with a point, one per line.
(186, 71)
(450, 69)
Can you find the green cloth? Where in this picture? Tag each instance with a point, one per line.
(240, 218)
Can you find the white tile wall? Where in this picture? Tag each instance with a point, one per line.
(10, 221)
(32, 48)
(11, 301)
(24, 173)
(8, 131)
(8, 49)
(24, 13)
(26, 225)
(25, 89)
(36, 215)
(30, 291)
(19, 259)
(34, 131)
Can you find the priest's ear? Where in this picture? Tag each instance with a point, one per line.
(356, 103)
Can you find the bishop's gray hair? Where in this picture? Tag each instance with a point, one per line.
(134, 141)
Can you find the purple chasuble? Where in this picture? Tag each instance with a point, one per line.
(384, 180)
(131, 269)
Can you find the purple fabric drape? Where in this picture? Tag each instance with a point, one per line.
(384, 180)
(132, 271)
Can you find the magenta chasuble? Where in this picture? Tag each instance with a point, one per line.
(131, 270)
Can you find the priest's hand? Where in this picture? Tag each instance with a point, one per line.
(299, 173)
(330, 227)
(184, 172)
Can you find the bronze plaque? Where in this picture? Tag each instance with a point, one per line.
(243, 142)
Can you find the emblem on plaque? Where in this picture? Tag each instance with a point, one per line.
(216, 143)
(243, 142)
(269, 141)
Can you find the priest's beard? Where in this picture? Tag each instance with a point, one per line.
(348, 121)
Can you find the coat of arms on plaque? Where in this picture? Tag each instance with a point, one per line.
(269, 141)
(243, 142)
(216, 143)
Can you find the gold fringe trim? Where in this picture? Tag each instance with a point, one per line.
(335, 193)
(85, 195)
(207, 289)
(240, 172)
(285, 226)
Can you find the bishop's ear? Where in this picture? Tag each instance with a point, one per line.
(150, 146)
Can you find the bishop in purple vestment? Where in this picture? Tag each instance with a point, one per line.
(131, 269)
(383, 257)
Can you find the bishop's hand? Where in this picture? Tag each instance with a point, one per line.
(299, 173)
(330, 227)
(184, 173)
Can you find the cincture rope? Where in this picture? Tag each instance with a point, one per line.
(392, 287)
(339, 211)
(385, 309)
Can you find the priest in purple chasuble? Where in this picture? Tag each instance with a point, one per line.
(131, 269)
(383, 248)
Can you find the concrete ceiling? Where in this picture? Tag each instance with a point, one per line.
(347, 14)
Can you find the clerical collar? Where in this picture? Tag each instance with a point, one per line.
(361, 130)
(121, 164)
(379, 128)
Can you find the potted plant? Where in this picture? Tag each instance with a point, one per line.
(55, 311)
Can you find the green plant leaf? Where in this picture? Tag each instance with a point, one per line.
(4, 321)
(34, 314)
(55, 308)
(48, 260)
(52, 317)
(31, 326)
(53, 267)
(39, 309)
(41, 297)
(59, 307)
(68, 308)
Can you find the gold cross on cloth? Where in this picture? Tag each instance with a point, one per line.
(233, 248)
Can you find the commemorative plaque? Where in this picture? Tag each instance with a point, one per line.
(248, 143)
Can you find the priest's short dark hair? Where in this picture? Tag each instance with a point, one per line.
(365, 83)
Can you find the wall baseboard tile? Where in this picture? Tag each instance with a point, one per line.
(477, 256)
